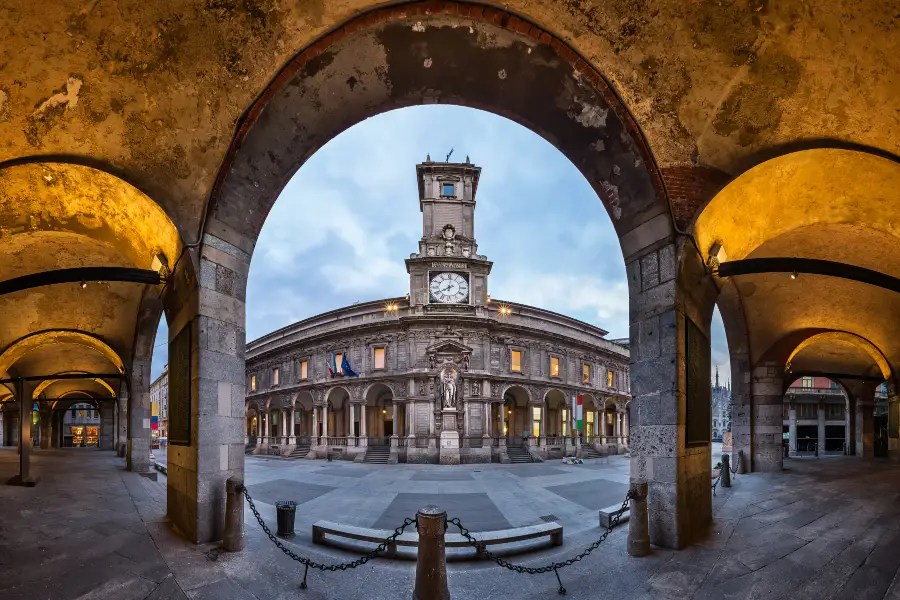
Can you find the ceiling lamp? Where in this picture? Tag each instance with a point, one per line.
(717, 256)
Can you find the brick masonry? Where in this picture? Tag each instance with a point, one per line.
(690, 188)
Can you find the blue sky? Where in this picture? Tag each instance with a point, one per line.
(346, 221)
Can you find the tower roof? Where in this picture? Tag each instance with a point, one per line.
(447, 167)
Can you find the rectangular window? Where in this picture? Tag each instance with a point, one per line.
(448, 189)
(554, 366)
(834, 411)
(565, 421)
(586, 373)
(304, 369)
(275, 376)
(807, 411)
(379, 358)
(253, 383)
(609, 379)
(338, 361)
(515, 361)
(536, 421)
(807, 382)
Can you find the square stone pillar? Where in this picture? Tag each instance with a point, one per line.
(211, 319)
(767, 417)
(820, 413)
(670, 295)
(107, 426)
(792, 429)
(395, 424)
(45, 429)
(121, 420)
(137, 456)
(865, 428)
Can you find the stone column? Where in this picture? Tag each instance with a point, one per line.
(44, 429)
(850, 425)
(314, 434)
(121, 421)
(107, 427)
(432, 430)
(486, 419)
(208, 328)
(466, 429)
(325, 421)
(264, 415)
(292, 433)
(768, 416)
(396, 417)
(23, 398)
(792, 429)
(821, 416)
(500, 433)
(865, 427)
(671, 295)
(363, 429)
(137, 457)
(543, 428)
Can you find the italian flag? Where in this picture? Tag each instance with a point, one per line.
(577, 412)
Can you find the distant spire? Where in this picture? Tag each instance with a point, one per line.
(467, 160)
(717, 375)
(428, 157)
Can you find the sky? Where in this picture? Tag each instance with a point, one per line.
(344, 224)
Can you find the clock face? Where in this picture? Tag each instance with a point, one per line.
(449, 288)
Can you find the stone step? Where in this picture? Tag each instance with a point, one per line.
(379, 455)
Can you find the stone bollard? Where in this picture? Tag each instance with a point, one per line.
(638, 522)
(233, 538)
(726, 471)
(431, 563)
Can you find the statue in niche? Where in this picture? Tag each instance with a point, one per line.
(448, 386)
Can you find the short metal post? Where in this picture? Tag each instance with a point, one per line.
(233, 538)
(726, 471)
(431, 563)
(638, 521)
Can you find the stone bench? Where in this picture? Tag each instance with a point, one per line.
(322, 530)
(609, 513)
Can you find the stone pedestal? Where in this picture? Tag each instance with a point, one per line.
(449, 451)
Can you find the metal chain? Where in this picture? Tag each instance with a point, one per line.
(320, 566)
(553, 566)
(737, 463)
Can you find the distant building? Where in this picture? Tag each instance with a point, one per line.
(159, 402)
(721, 408)
(81, 426)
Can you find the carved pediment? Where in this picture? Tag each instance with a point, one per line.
(448, 348)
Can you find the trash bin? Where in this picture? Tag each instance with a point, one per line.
(286, 511)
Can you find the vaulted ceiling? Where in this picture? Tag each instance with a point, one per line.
(145, 97)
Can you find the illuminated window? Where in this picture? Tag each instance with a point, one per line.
(379, 358)
(448, 189)
(515, 362)
(554, 366)
(275, 376)
(586, 373)
(304, 369)
(565, 421)
(609, 379)
(253, 383)
(589, 417)
(536, 421)
(807, 382)
(338, 361)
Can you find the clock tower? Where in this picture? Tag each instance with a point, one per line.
(447, 274)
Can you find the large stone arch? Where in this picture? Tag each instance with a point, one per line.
(395, 59)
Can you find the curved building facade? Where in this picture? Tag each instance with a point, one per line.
(444, 374)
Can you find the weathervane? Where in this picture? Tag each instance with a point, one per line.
(448, 156)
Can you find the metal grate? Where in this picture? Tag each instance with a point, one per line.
(698, 415)
(549, 518)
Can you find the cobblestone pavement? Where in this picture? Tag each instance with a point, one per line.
(822, 529)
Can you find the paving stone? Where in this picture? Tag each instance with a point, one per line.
(595, 494)
(276, 490)
(476, 511)
(442, 476)
(223, 589)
